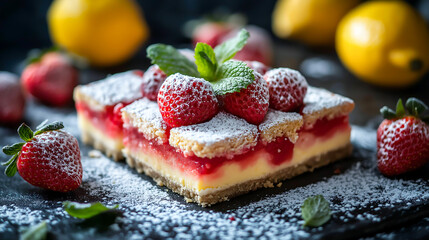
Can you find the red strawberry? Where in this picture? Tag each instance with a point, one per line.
(287, 89)
(403, 140)
(138, 72)
(51, 80)
(211, 33)
(185, 100)
(152, 81)
(258, 67)
(12, 100)
(250, 103)
(49, 158)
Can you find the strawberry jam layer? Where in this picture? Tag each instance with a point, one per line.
(322, 129)
(108, 121)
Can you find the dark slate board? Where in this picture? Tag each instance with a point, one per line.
(364, 203)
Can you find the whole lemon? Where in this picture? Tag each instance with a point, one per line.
(385, 43)
(312, 22)
(105, 32)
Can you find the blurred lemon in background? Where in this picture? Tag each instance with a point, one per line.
(105, 32)
(312, 22)
(385, 43)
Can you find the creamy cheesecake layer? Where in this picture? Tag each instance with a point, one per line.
(94, 136)
(257, 165)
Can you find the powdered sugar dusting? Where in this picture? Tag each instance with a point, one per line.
(279, 124)
(120, 87)
(358, 194)
(318, 99)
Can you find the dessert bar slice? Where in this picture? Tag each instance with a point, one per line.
(226, 156)
(98, 106)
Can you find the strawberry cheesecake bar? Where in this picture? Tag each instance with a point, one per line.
(98, 106)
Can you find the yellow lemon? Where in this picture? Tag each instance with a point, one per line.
(105, 32)
(385, 43)
(312, 22)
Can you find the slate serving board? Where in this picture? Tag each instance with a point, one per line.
(364, 203)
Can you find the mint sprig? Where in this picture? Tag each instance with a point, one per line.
(315, 211)
(26, 134)
(170, 60)
(86, 210)
(413, 107)
(211, 64)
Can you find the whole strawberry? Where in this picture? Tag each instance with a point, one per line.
(49, 158)
(287, 89)
(403, 138)
(211, 33)
(185, 100)
(50, 79)
(12, 100)
(152, 81)
(258, 67)
(250, 103)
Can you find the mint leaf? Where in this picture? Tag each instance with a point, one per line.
(206, 61)
(14, 149)
(11, 168)
(85, 210)
(229, 48)
(170, 60)
(415, 106)
(315, 211)
(49, 127)
(36, 232)
(25, 132)
(233, 76)
(400, 110)
(42, 124)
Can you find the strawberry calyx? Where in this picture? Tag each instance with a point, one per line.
(36, 55)
(413, 107)
(214, 65)
(26, 134)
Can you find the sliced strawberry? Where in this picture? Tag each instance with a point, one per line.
(185, 100)
(287, 89)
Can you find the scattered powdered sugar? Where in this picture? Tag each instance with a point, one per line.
(359, 194)
(120, 87)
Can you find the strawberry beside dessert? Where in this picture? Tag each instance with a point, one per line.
(48, 158)
(220, 129)
(12, 99)
(403, 138)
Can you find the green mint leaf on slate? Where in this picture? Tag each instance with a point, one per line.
(14, 149)
(400, 110)
(206, 61)
(315, 211)
(232, 77)
(415, 106)
(11, 168)
(49, 127)
(85, 210)
(229, 48)
(170, 60)
(101, 221)
(36, 232)
(25, 132)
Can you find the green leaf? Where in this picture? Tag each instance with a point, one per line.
(14, 149)
(315, 211)
(85, 210)
(49, 127)
(229, 48)
(11, 169)
(11, 159)
(170, 60)
(388, 113)
(233, 76)
(42, 124)
(25, 132)
(400, 110)
(206, 61)
(101, 221)
(36, 232)
(415, 106)
(36, 55)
